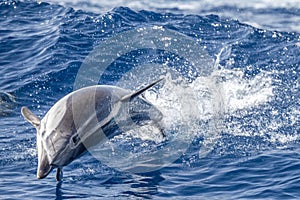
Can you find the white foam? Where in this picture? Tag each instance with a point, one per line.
(198, 108)
(190, 5)
(240, 92)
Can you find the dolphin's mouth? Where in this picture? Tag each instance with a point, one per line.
(43, 171)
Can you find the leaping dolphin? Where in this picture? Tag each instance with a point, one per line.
(84, 118)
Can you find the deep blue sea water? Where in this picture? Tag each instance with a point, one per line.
(244, 119)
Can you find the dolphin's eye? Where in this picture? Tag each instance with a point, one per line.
(75, 140)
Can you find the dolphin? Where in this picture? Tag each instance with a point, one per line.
(85, 118)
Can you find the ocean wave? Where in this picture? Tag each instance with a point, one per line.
(238, 108)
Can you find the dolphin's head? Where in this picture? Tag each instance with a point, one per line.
(44, 166)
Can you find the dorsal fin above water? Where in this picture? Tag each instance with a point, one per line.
(140, 91)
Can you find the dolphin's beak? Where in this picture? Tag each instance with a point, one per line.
(44, 167)
(43, 171)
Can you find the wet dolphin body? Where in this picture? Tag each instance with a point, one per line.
(76, 122)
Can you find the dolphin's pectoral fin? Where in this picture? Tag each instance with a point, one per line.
(142, 113)
(59, 174)
(30, 117)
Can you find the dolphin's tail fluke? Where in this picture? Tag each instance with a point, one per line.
(140, 91)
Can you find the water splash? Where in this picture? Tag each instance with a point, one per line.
(192, 109)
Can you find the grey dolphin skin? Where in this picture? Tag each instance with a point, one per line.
(85, 118)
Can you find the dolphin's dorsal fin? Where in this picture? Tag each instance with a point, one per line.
(138, 92)
(30, 117)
